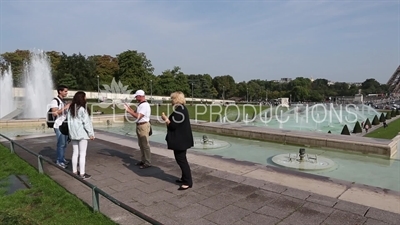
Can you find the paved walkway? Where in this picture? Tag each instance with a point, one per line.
(225, 191)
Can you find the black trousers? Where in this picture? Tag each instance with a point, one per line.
(180, 157)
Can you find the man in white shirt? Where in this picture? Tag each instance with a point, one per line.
(142, 115)
(58, 109)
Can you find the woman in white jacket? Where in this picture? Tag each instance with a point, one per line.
(80, 130)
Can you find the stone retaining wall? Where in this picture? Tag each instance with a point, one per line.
(374, 146)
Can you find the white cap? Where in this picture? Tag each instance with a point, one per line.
(138, 93)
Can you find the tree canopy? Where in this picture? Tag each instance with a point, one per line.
(133, 68)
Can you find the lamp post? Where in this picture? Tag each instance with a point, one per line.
(192, 94)
(247, 95)
(98, 89)
(266, 95)
(151, 91)
(223, 94)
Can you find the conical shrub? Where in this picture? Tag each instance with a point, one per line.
(393, 113)
(375, 121)
(329, 132)
(345, 130)
(382, 118)
(367, 122)
(357, 128)
(388, 116)
(397, 112)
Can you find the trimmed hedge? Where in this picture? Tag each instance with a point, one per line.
(345, 130)
(357, 128)
(375, 121)
(382, 118)
(393, 113)
(388, 115)
(367, 122)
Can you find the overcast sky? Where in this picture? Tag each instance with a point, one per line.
(338, 40)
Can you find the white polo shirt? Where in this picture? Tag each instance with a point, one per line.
(144, 108)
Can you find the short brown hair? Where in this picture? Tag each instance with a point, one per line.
(177, 98)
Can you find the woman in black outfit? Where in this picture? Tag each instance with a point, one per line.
(179, 137)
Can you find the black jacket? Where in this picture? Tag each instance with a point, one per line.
(179, 132)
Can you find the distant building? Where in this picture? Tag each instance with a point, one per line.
(283, 80)
(331, 83)
(394, 82)
(358, 84)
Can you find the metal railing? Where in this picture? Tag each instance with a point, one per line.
(96, 192)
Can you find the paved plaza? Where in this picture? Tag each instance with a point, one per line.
(225, 191)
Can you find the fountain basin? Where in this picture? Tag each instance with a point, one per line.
(309, 163)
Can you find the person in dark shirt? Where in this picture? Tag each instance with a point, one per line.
(179, 137)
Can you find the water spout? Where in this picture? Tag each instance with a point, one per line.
(6, 93)
(38, 85)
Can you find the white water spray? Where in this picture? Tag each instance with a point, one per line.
(38, 85)
(7, 104)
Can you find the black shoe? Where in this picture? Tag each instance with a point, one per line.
(144, 166)
(179, 181)
(182, 188)
(139, 164)
(86, 176)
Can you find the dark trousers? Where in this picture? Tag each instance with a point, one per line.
(180, 157)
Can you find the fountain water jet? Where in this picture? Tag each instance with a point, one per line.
(6, 94)
(38, 85)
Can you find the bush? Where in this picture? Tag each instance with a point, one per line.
(382, 118)
(375, 121)
(388, 116)
(393, 113)
(357, 128)
(367, 122)
(345, 130)
(397, 112)
(329, 132)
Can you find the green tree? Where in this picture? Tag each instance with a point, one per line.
(375, 121)
(174, 80)
(393, 113)
(17, 60)
(315, 96)
(106, 67)
(371, 86)
(367, 122)
(299, 93)
(357, 128)
(226, 83)
(382, 118)
(55, 58)
(135, 70)
(69, 80)
(345, 130)
(388, 115)
(80, 68)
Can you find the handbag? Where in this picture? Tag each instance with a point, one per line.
(64, 127)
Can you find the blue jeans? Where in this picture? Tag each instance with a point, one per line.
(61, 145)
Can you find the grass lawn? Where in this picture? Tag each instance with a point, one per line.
(45, 203)
(200, 112)
(387, 133)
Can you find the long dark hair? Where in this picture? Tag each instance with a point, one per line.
(78, 101)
